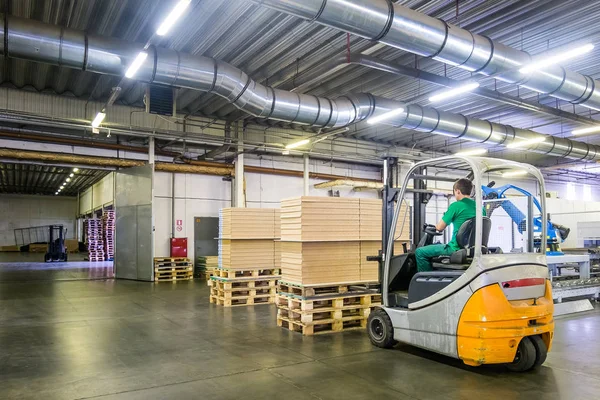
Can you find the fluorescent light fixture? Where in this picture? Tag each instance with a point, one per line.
(68, 179)
(385, 116)
(558, 58)
(514, 173)
(525, 143)
(297, 144)
(62, 187)
(56, 193)
(136, 64)
(473, 152)
(583, 131)
(72, 175)
(454, 92)
(75, 169)
(98, 120)
(173, 16)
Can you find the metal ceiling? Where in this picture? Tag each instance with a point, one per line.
(275, 49)
(16, 178)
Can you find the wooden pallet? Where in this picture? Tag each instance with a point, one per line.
(179, 268)
(314, 316)
(314, 291)
(263, 273)
(242, 301)
(173, 278)
(241, 292)
(323, 326)
(333, 303)
(171, 259)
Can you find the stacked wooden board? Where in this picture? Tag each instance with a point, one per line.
(108, 225)
(247, 238)
(173, 269)
(318, 309)
(325, 240)
(247, 270)
(94, 241)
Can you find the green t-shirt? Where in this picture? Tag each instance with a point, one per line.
(457, 214)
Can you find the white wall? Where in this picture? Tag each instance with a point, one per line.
(21, 211)
(570, 213)
(100, 194)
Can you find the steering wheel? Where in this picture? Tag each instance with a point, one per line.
(430, 229)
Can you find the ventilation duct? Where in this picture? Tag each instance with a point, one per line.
(405, 29)
(37, 41)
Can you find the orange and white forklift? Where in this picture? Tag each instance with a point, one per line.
(489, 302)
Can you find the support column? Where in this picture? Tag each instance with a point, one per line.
(239, 169)
(151, 150)
(306, 176)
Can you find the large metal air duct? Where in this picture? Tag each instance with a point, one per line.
(403, 28)
(37, 41)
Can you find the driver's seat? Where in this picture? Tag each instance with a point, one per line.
(461, 259)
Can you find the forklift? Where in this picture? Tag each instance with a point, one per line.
(57, 252)
(480, 304)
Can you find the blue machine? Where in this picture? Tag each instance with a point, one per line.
(556, 233)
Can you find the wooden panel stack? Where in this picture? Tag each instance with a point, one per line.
(247, 273)
(108, 225)
(173, 269)
(206, 267)
(327, 285)
(95, 244)
(326, 240)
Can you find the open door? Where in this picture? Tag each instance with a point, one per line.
(134, 228)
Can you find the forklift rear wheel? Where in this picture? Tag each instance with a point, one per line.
(525, 357)
(541, 351)
(381, 331)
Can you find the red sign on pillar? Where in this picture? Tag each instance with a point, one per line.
(179, 225)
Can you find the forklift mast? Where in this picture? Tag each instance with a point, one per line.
(389, 195)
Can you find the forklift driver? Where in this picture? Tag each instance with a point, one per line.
(460, 211)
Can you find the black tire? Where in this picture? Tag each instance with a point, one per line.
(47, 257)
(381, 331)
(525, 357)
(541, 351)
(64, 257)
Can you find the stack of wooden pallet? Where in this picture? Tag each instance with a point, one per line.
(232, 287)
(327, 240)
(247, 273)
(318, 309)
(108, 225)
(94, 241)
(172, 269)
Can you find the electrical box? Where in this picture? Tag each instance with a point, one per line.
(179, 247)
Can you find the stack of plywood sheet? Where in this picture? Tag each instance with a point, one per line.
(326, 240)
(247, 266)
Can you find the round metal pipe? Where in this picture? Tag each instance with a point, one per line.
(41, 42)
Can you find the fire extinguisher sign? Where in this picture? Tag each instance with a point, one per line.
(179, 225)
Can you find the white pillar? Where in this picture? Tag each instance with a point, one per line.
(306, 176)
(239, 170)
(151, 150)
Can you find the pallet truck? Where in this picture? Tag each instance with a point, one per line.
(479, 304)
(57, 252)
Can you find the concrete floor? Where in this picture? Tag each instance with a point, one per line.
(133, 340)
(25, 267)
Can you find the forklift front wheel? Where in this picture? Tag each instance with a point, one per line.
(381, 331)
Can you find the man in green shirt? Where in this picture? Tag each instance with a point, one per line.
(460, 211)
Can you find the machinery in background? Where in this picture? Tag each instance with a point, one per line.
(556, 233)
(56, 244)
